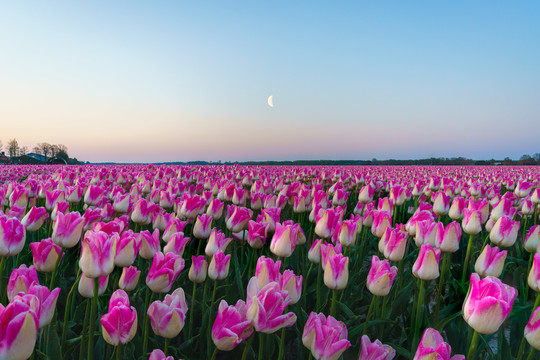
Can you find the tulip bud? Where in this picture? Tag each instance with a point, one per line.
(35, 218)
(18, 326)
(284, 240)
(129, 278)
(375, 350)
(21, 280)
(504, 232)
(119, 324)
(426, 266)
(532, 239)
(490, 262)
(86, 286)
(488, 303)
(314, 253)
(219, 266)
(472, 221)
(67, 229)
(198, 270)
(167, 317)
(12, 236)
(532, 329)
(292, 284)
(380, 277)
(164, 271)
(231, 326)
(433, 346)
(336, 272)
(201, 229)
(45, 253)
(448, 238)
(534, 274)
(97, 256)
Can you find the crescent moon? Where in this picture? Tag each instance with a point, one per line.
(271, 101)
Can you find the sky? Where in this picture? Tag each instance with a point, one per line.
(140, 81)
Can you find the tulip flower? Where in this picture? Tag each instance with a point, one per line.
(219, 266)
(433, 346)
(426, 233)
(142, 212)
(93, 195)
(503, 208)
(426, 266)
(198, 270)
(35, 218)
(292, 284)
(174, 226)
(127, 247)
(129, 278)
(380, 276)
(457, 208)
(381, 221)
(418, 216)
(532, 329)
(86, 286)
(119, 324)
(91, 216)
(216, 242)
(177, 244)
(490, 262)
(504, 232)
(257, 233)
(326, 338)
(523, 189)
(19, 197)
(47, 300)
(201, 229)
(488, 303)
(122, 203)
(375, 350)
(98, 252)
(21, 280)
(265, 310)
(238, 218)
(45, 253)
(534, 274)
(18, 331)
(12, 236)
(346, 232)
(284, 240)
(164, 271)
(336, 272)
(231, 326)
(67, 229)
(472, 224)
(532, 239)
(447, 239)
(326, 222)
(157, 354)
(267, 271)
(149, 243)
(215, 209)
(366, 193)
(314, 253)
(167, 317)
(441, 203)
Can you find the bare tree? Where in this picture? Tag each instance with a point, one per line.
(45, 149)
(1, 144)
(23, 150)
(13, 147)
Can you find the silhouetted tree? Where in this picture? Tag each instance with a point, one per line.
(13, 147)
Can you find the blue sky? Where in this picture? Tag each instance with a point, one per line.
(141, 81)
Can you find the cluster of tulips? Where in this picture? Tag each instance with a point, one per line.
(319, 262)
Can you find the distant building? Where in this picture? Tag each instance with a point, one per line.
(4, 160)
(37, 157)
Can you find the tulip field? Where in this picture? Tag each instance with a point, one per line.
(254, 262)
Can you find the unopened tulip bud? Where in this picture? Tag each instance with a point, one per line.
(380, 277)
(198, 270)
(86, 286)
(426, 266)
(490, 262)
(129, 278)
(336, 272)
(219, 266)
(532, 329)
(504, 232)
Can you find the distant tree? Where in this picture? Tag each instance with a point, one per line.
(23, 151)
(507, 161)
(13, 147)
(525, 157)
(536, 156)
(45, 149)
(1, 145)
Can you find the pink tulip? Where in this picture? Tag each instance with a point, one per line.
(326, 338)
(177, 244)
(19, 196)
(97, 256)
(267, 271)
(381, 221)
(21, 280)
(12, 236)
(532, 239)
(91, 216)
(326, 222)
(488, 303)
(164, 271)
(457, 208)
(366, 193)
(532, 329)
(418, 216)
(441, 203)
(122, 203)
(238, 218)
(393, 244)
(47, 300)
(129, 278)
(505, 231)
(375, 350)
(271, 216)
(74, 194)
(67, 229)
(219, 266)
(380, 277)
(284, 240)
(257, 234)
(53, 197)
(167, 317)
(157, 354)
(166, 199)
(433, 346)
(523, 189)
(265, 310)
(426, 266)
(292, 284)
(231, 326)
(314, 253)
(216, 242)
(174, 226)
(93, 195)
(336, 272)
(490, 262)
(35, 218)
(127, 247)
(201, 229)
(215, 209)
(150, 244)
(346, 232)
(198, 270)
(534, 274)
(18, 331)
(142, 212)
(119, 324)
(426, 233)
(192, 206)
(398, 195)
(472, 221)
(86, 286)
(503, 208)
(45, 253)
(447, 239)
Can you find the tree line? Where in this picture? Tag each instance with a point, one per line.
(45, 149)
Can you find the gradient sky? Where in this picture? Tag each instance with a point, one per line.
(140, 81)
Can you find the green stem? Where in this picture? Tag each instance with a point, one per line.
(119, 351)
(191, 311)
(530, 357)
(2, 265)
(369, 313)
(261, 346)
(247, 347)
(281, 344)
(318, 298)
(92, 320)
(214, 354)
(147, 303)
(466, 262)
(84, 329)
(68, 307)
(333, 304)
(441, 284)
(166, 347)
(51, 285)
(418, 312)
(209, 328)
(521, 349)
(531, 257)
(472, 348)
